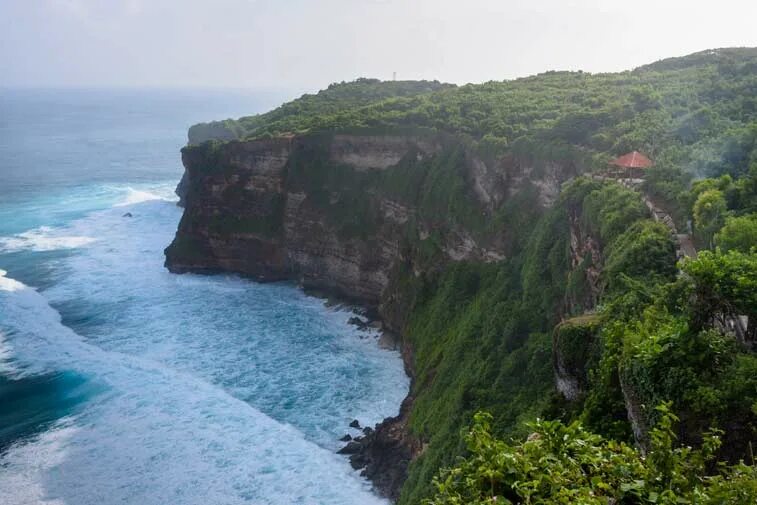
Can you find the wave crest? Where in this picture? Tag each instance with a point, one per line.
(43, 239)
(138, 196)
(183, 439)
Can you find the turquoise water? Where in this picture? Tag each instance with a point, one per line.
(123, 383)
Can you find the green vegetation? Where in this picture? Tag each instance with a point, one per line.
(709, 214)
(307, 113)
(738, 233)
(566, 464)
(724, 284)
(481, 334)
(575, 344)
(472, 351)
(484, 335)
(698, 112)
(656, 337)
(643, 252)
(656, 340)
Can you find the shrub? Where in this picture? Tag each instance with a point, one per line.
(566, 464)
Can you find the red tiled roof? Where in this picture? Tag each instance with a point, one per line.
(632, 160)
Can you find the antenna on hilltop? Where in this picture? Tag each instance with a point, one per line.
(394, 76)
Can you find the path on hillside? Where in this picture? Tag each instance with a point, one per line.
(684, 243)
(734, 324)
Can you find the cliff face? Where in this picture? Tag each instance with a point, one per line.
(586, 265)
(338, 212)
(574, 353)
(233, 210)
(353, 215)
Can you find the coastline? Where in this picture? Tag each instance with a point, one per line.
(383, 452)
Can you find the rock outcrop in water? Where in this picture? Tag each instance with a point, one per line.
(385, 452)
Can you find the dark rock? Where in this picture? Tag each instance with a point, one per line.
(182, 189)
(346, 438)
(360, 323)
(367, 430)
(386, 452)
(358, 461)
(389, 340)
(355, 424)
(331, 302)
(352, 447)
(128, 214)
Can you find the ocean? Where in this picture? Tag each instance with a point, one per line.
(123, 383)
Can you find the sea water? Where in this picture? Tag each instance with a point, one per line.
(123, 383)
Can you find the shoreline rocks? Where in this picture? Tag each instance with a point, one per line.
(384, 453)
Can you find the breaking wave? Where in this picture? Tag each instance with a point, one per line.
(182, 389)
(41, 239)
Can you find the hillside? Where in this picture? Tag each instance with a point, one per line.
(305, 112)
(692, 111)
(468, 219)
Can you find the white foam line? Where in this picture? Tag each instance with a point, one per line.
(41, 239)
(159, 436)
(134, 195)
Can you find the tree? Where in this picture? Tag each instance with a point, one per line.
(739, 233)
(725, 284)
(709, 213)
(562, 464)
(746, 190)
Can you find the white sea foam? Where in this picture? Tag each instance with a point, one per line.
(43, 238)
(155, 435)
(215, 389)
(134, 195)
(46, 238)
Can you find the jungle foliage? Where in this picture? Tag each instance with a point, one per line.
(698, 112)
(482, 333)
(656, 339)
(567, 464)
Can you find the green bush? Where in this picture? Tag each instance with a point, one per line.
(611, 210)
(566, 464)
(645, 251)
(738, 233)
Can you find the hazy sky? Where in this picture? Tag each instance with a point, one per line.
(306, 44)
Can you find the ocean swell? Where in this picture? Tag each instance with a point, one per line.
(189, 389)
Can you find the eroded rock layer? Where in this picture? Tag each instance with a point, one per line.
(338, 212)
(343, 214)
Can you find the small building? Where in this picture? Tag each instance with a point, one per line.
(630, 166)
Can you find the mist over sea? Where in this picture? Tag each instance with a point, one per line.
(123, 383)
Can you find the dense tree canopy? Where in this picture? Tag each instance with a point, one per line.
(739, 233)
(566, 464)
(698, 111)
(482, 333)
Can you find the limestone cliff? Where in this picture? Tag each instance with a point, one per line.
(337, 212)
(574, 352)
(343, 213)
